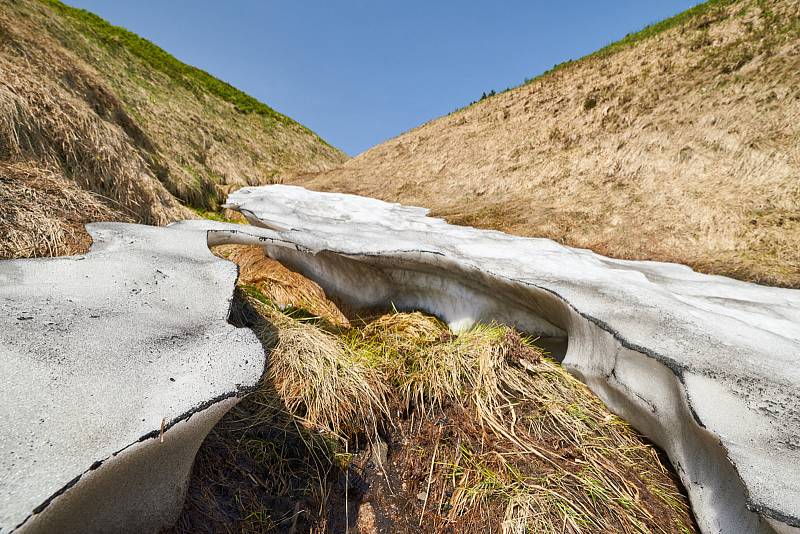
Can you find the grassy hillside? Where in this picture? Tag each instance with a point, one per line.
(678, 143)
(97, 123)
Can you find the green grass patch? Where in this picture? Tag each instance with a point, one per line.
(255, 293)
(660, 27)
(212, 215)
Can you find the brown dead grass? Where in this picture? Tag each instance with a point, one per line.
(44, 214)
(393, 423)
(280, 285)
(506, 440)
(690, 152)
(59, 115)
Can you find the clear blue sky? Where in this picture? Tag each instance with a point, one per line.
(359, 72)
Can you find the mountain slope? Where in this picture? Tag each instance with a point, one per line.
(99, 124)
(680, 143)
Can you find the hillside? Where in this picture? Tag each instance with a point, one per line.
(97, 123)
(679, 143)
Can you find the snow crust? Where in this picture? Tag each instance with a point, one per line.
(95, 352)
(706, 366)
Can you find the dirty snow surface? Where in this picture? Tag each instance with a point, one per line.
(706, 366)
(95, 351)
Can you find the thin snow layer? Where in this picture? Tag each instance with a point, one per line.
(706, 366)
(95, 351)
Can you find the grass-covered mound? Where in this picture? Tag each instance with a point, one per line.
(392, 423)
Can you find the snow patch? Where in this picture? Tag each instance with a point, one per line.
(98, 353)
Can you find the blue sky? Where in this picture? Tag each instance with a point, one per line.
(359, 72)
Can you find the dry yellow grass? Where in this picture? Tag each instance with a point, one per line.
(320, 380)
(682, 147)
(46, 125)
(44, 213)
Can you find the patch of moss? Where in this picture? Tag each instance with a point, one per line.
(255, 293)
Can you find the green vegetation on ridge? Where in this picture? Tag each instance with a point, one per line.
(662, 26)
(631, 39)
(192, 78)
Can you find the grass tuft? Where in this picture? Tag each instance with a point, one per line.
(323, 383)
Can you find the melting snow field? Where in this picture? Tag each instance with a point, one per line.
(706, 366)
(97, 350)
